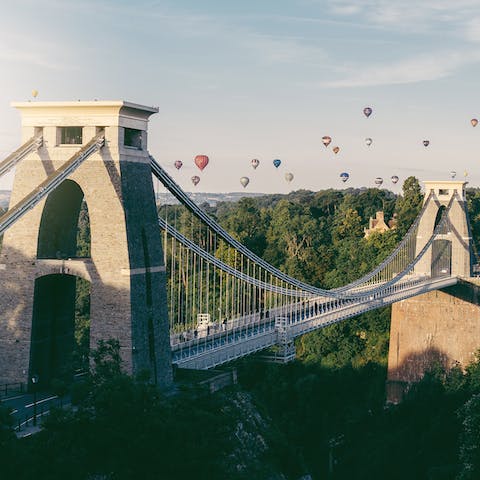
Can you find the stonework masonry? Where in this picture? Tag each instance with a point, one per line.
(125, 271)
(441, 327)
(436, 328)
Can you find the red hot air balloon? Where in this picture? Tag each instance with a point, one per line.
(201, 161)
(367, 111)
(178, 164)
(326, 140)
(474, 122)
(195, 180)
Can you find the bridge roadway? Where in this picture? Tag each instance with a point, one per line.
(249, 334)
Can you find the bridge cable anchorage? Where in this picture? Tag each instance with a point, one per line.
(51, 183)
(31, 145)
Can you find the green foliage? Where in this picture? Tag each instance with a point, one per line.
(470, 439)
(246, 223)
(329, 404)
(80, 357)
(409, 205)
(83, 232)
(125, 429)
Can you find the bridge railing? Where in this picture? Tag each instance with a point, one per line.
(10, 389)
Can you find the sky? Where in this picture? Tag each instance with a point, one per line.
(263, 79)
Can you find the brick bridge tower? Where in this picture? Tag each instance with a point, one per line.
(40, 261)
(440, 327)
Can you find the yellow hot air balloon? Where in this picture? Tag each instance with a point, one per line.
(34, 93)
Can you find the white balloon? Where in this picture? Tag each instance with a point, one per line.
(244, 181)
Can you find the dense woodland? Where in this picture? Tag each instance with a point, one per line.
(323, 415)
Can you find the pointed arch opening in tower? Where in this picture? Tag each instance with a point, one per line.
(65, 227)
(440, 211)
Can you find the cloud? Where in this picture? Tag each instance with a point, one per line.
(472, 30)
(30, 50)
(412, 70)
(408, 14)
(274, 49)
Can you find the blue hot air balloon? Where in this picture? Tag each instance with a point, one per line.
(277, 162)
(344, 176)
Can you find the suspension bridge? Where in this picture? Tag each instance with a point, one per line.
(170, 283)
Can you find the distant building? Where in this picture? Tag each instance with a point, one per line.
(378, 224)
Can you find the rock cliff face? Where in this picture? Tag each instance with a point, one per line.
(258, 447)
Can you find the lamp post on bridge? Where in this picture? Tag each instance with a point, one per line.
(34, 388)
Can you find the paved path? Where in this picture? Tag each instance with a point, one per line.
(23, 410)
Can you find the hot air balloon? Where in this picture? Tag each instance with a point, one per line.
(255, 163)
(195, 180)
(277, 162)
(244, 181)
(201, 161)
(34, 93)
(378, 181)
(344, 176)
(326, 140)
(367, 111)
(474, 122)
(465, 174)
(289, 177)
(426, 143)
(453, 173)
(368, 141)
(178, 164)
(394, 179)
(336, 150)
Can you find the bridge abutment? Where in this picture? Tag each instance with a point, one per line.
(440, 328)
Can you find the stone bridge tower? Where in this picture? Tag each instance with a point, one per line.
(451, 252)
(439, 328)
(39, 261)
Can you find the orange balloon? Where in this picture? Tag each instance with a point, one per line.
(201, 161)
(336, 150)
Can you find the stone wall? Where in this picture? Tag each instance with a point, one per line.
(436, 328)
